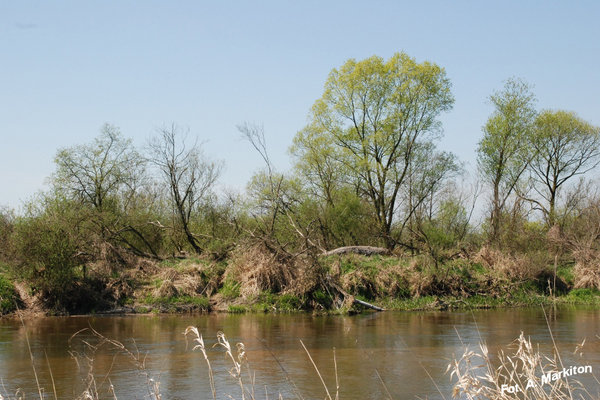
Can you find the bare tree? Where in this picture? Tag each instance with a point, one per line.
(189, 176)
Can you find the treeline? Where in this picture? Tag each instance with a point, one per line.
(367, 171)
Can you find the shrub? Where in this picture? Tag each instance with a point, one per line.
(9, 298)
(48, 244)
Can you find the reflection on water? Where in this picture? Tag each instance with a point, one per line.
(398, 346)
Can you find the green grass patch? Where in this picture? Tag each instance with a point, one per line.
(178, 302)
(237, 309)
(408, 304)
(565, 272)
(582, 296)
(288, 302)
(230, 290)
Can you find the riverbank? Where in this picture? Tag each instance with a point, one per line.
(252, 284)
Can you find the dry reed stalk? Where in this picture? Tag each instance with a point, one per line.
(479, 378)
(200, 345)
(317, 370)
(37, 381)
(237, 364)
(92, 387)
(51, 376)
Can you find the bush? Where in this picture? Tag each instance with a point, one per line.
(9, 298)
(48, 245)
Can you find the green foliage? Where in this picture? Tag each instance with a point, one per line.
(49, 242)
(584, 295)
(177, 303)
(289, 302)
(346, 220)
(445, 231)
(220, 221)
(230, 289)
(322, 298)
(366, 128)
(237, 309)
(98, 172)
(505, 150)
(564, 146)
(6, 228)
(9, 298)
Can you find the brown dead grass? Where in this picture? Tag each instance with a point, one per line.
(420, 281)
(587, 268)
(258, 269)
(166, 289)
(513, 266)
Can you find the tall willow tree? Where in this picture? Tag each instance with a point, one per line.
(366, 128)
(504, 152)
(565, 146)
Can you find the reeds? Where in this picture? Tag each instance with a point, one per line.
(239, 362)
(477, 375)
(525, 373)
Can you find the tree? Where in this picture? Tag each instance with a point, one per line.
(427, 175)
(504, 152)
(106, 177)
(565, 146)
(275, 197)
(189, 176)
(99, 171)
(375, 113)
(50, 240)
(317, 161)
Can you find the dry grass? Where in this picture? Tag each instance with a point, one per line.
(587, 274)
(381, 281)
(587, 268)
(259, 270)
(95, 389)
(478, 377)
(521, 267)
(420, 281)
(240, 369)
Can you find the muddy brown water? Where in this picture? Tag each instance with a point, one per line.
(407, 351)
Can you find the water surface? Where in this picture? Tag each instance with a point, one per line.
(401, 352)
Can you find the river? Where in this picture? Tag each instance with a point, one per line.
(403, 353)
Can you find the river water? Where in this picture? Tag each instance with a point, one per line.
(403, 353)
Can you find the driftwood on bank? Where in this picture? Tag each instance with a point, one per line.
(362, 250)
(348, 297)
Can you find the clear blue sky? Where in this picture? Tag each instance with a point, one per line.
(68, 67)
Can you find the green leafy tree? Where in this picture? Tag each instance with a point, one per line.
(504, 152)
(108, 178)
(99, 172)
(565, 146)
(371, 118)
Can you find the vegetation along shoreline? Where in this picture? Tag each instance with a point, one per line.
(372, 213)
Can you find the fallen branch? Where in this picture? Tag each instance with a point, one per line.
(348, 296)
(363, 250)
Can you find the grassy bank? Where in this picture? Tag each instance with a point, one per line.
(253, 283)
